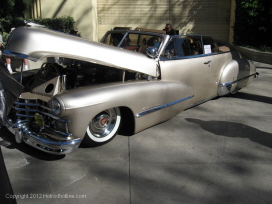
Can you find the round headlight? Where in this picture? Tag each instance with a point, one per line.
(54, 105)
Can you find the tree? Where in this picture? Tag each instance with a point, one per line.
(253, 23)
(12, 13)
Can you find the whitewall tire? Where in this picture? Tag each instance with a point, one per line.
(103, 127)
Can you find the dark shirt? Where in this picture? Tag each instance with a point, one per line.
(171, 32)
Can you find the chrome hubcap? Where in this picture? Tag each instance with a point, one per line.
(103, 123)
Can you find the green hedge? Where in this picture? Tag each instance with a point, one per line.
(63, 24)
(253, 24)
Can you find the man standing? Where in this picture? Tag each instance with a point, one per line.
(8, 61)
(169, 30)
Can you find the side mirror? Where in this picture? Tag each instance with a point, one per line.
(152, 52)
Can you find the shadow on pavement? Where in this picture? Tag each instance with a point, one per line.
(6, 191)
(231, 129)
(252, 97)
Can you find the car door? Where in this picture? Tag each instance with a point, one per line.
(184, 60)
(218, 60)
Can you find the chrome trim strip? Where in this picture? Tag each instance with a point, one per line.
(58, 143)
(200, 102)
(44, 107)
(44, 113)
(230, 83)
(28, 110)
(162, 106)
(163, 58)
(27, 104)
(55, 117)
(59, 132)
(36, 110)
(26, 116)
(21, 123)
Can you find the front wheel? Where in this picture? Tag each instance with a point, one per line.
(103, 127)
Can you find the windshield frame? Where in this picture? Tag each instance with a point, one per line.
(128, 32)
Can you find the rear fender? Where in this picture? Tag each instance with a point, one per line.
(228, 78)
(246, 73)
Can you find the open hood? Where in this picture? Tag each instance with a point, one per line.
(38, 43)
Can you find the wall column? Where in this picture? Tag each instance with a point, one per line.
(232, 20)
(36, 9)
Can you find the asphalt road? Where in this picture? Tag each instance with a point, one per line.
(217, 152)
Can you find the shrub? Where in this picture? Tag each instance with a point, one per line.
(63, 24)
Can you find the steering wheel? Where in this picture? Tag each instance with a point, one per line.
(46, 69)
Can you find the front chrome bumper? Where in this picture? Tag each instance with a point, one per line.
(44, 140)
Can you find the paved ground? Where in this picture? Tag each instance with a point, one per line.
(217, 152)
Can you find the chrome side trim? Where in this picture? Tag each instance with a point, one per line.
(162, 106)
(230, 83)
(200, 102)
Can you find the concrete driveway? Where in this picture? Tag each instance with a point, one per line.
(217, 152)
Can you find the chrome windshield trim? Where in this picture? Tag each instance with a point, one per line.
(162, 106)
(230, 83)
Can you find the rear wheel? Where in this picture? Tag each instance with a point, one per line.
(103, 127)
(233, 93)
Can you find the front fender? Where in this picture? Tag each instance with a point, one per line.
(151, 102)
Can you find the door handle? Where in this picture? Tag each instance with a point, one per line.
(208, 62)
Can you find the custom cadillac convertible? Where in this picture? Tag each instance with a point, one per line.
(127, 82)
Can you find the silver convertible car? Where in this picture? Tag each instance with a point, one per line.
(127, 82)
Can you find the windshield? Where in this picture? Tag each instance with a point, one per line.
(132, 41)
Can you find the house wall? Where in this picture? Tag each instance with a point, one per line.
(94, 17)
(207, 17)
(84, 13)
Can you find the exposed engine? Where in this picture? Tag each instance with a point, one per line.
(77, 74)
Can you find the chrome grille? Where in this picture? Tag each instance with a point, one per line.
(27, 108)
